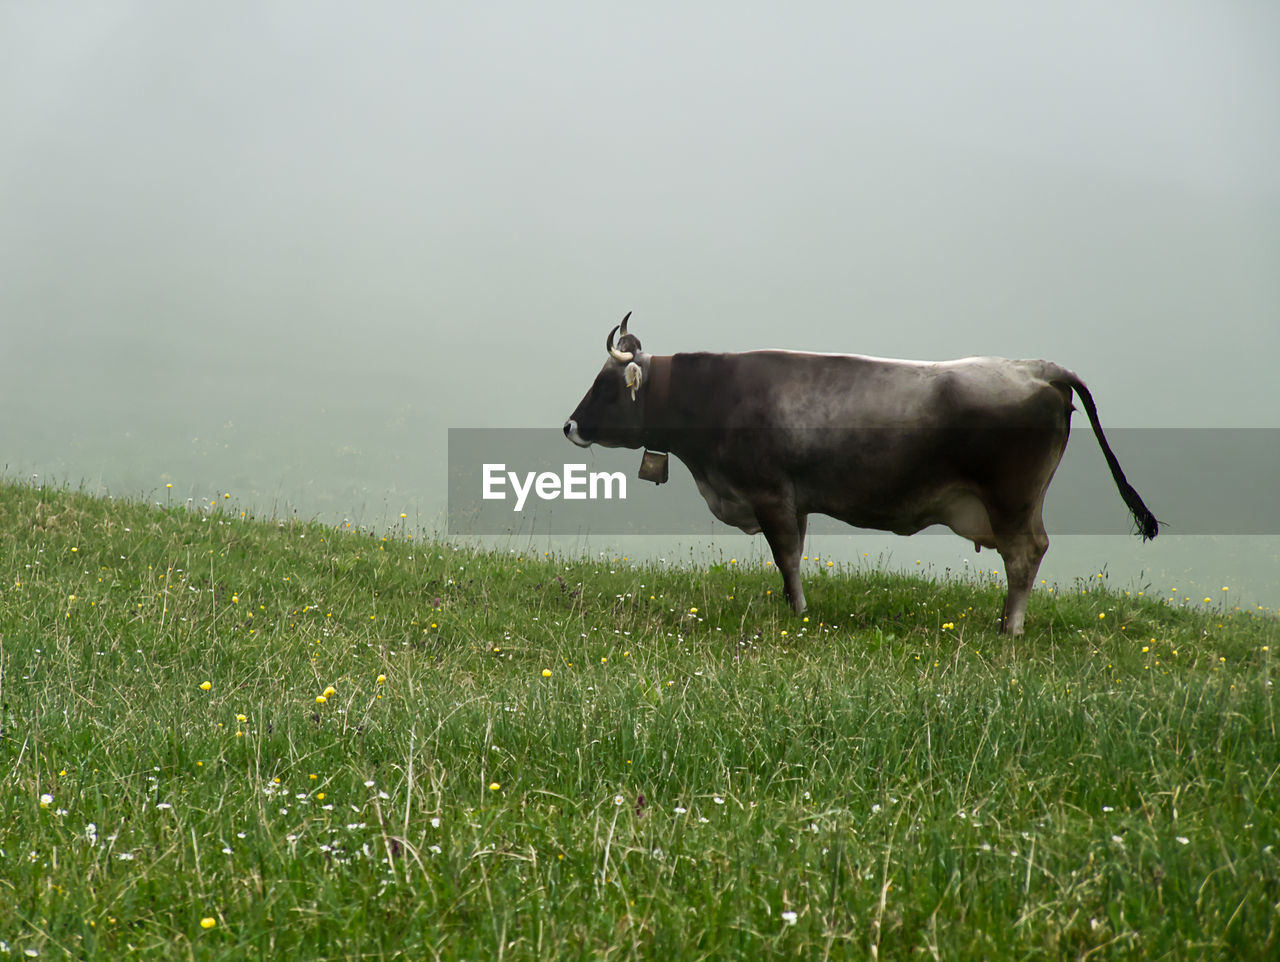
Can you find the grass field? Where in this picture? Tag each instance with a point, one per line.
(532, 757)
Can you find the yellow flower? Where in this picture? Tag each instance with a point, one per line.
(693, 611)
(546, 673)
(206, 685)
(330, 692)
(241, 718)
(208, 922)
(494, 786)
(1101, 615)
(948, 625)
(382, 679)
(320, 796)
(321, 699)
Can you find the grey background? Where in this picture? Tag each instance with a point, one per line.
(279, 249)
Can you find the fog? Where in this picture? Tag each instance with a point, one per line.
(279, 249)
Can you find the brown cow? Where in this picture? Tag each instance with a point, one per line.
(771, 437)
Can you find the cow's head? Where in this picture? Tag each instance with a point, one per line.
(612, 412)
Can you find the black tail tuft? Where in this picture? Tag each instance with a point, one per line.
(1147, 524)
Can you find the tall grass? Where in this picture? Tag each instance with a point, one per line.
(526, 756)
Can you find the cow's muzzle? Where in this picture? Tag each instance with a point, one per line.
(571, 432)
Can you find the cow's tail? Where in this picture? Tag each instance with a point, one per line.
(1147, 524)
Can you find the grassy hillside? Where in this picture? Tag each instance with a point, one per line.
(533, 757)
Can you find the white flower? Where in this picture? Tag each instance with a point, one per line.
(789, 918)
(1182, 840)
(717, 799)
(91, 833)
(435, 823)
(680, 810)
(124, 856)
(163, 805)
(434, 849)
(46, 800)
(617, 799)
(369, 783)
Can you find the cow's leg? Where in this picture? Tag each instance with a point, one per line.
(784, 531)
(1021, 551)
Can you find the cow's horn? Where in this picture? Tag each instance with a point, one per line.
(623, 356)
(623, 332)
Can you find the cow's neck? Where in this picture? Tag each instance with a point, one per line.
(657, 403)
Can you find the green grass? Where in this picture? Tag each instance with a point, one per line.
(890, 778)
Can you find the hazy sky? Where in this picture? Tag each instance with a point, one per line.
(290, 244)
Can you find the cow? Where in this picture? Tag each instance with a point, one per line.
(771, 437)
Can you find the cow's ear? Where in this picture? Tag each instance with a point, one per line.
(634, 377)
